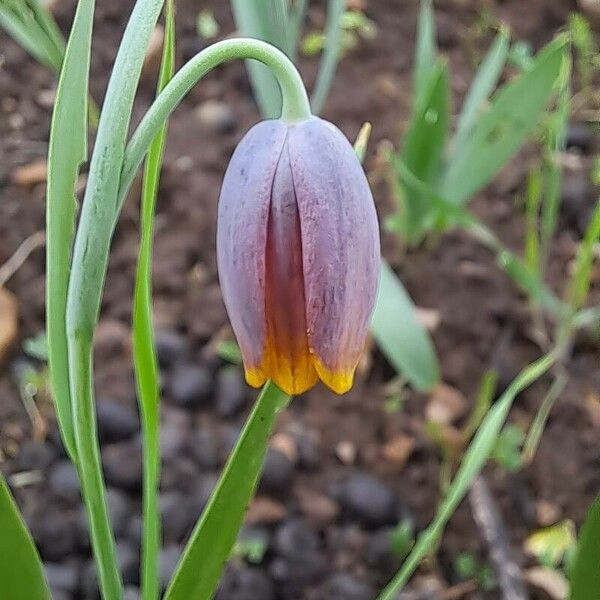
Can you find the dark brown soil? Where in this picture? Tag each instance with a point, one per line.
(316, 544)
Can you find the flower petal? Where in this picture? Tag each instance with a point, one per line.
(340, 247)
(243, 215)
(287, 361)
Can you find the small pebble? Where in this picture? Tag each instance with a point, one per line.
(205, 448)
(122, 464)
(241, 582)
(344, 586)
(368, 500)
(62, 576)
(178, 515)
(35, 455)
(129, 563)
(216, 116)
(64, 481)
(116, 421)
(169, 557)
(55, 534)
(190, 385)
(171, 346)
(295, 539)
(379, 553)
(277, 473)
(579, 135)
(131, 593)
(230, 391)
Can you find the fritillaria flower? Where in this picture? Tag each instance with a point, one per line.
(298, 254)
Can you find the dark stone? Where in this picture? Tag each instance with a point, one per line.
(309, 451)
(131, 593)
(35, 455)
(174, 437)
(55, 533)
(230, 391)
(368, 500)
(63, 481)
(62, 595)
(204, 490)
(379, 554)
(579, 135)
(171, 346)
(216, 116)
(129, 562)
(89, 581)
(241, 582)
(204, 447)
(277, 472)
(178, 515)
(134, 530)
(116, 421)
(228, 439)
(122, 464)
(190, 385)
(344, 586)
(120, 510)
(577, 199)
(296, 539)
(169, 557)
(62, 576)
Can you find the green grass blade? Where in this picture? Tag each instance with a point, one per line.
(533, 199)
(31, 37)
(473, 461)
(331, 54)
(48, 25)
(425, 50)
(67, 151)
(253, 19)
(403, 340)
(585, 572)
(297, 16)
(483, 85)
(21, 571)
(144, 348)
(502, 130)
(579, 284)
(202, 563)
(422, 152)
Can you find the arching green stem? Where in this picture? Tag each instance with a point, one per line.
(296, 106)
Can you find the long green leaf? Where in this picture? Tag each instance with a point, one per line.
(422, 151)
(580, 281)
(144, 347)
(67, 151)
(331, 53)
(474, 459)
(200, 568)
(502, 130)
(21, 571)
(254, 19)
(585, 572)
(403, 340)
(425, 49)
(483, 85)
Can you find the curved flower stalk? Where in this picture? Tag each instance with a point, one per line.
(298, 254)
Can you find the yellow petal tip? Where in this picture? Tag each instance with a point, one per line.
(337, 381)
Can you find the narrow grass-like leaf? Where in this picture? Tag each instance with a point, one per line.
(202, 563)
(422, 151)
(533, 197)
(35, 30)
(483, 85)
(585, 571)
(67, 150)
(473, 461)
(144, 348)
(403, 340)
(331, 53)
(425, 50)
(539, 422)
(296, 18)
(89, 264)
(579, 284)
(501, 131)
(254, 19)
(21, 571)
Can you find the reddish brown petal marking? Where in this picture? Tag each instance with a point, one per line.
(243, 215)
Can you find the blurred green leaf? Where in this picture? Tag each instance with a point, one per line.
(483, 85)
(425, 50)
(549, 545)
(502, 130)
(473, 461)
(37, 347)
(21, 572)
(585, 569)
(507, 451)
(403, 340)
(228, 350)
(422, 152)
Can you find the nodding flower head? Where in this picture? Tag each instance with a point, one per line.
(298, 254)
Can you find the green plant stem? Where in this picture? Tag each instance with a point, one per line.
(89, 466)
(296, 106)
